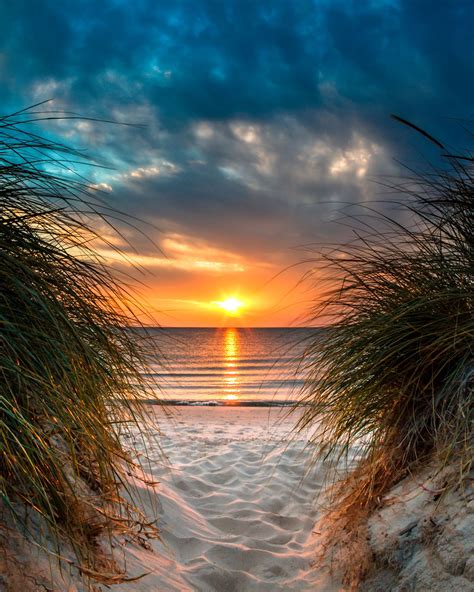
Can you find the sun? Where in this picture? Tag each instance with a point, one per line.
(231, 305)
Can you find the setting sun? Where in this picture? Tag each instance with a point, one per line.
(231, 305)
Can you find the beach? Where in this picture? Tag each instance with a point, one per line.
(236, 501)
(240, 506)
(236, 296)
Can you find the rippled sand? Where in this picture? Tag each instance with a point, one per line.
(237, 505)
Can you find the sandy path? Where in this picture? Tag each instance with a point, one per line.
(235, 511)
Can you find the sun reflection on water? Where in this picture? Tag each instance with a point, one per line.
(231, 372)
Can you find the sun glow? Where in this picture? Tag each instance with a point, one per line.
(231, 305)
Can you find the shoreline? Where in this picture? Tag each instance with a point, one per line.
(219, 403)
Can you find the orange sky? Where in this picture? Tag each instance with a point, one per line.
(197, 302)
(185, 284)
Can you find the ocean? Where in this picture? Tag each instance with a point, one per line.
(229, 366)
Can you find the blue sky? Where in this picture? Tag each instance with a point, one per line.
(259, 121)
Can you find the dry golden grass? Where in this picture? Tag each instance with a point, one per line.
(70, 370)
(393, 374)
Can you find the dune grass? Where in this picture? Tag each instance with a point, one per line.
(393, 374)
(69, 368)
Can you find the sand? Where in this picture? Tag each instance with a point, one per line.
(237, 505)
(422, 537)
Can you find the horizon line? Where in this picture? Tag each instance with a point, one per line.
(220, 327)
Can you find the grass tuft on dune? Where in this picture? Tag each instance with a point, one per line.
(69, 369)
(393, 374)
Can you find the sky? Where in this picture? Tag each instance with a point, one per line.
(258, 126)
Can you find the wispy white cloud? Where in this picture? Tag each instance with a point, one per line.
(182, 253)
(102, 187)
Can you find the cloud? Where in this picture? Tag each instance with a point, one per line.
(206, 60)
(258, 186)
(102, 187)
(253, 123)
(162, 167)
(178, 252)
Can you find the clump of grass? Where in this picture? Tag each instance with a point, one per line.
(70, 371)
(393, 373)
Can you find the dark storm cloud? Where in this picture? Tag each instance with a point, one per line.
(260, 116)
(218, 59)
(222, 58)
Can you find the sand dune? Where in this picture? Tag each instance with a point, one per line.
(236, 505)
